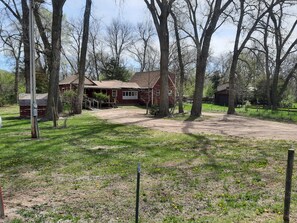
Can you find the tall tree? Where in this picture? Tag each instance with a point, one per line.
(95, 44)
(52, 53)
(21, 14)
(12, 44)
(284, 43)
(160, 10)
(249, 14)
(215, 8)
(180, 62)
(119, 38)
(142, 47)
(83, 57)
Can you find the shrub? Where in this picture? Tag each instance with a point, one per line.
(69, 100)
(101, 97)
(6, 88)
(247, 105)
(154, 110)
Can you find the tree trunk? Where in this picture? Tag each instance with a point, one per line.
(274, 88)
(54, 69)
(199, 83)
(160, 17)
(83, 55)
(164, 47)
(25, 39)
(181, 66)
(203, 56)
(232, 91)
(17, 71)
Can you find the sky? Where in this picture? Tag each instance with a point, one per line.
(132, 11)
(135, 11)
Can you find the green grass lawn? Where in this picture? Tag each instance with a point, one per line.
(86, 173)
(281, 115)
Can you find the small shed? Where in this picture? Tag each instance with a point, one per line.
(25, 102)
(222, 95)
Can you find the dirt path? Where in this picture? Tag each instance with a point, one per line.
(216, 123)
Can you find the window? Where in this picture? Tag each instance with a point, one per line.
(170, 92)
(130, 95)
(157, 92)
(114, 93)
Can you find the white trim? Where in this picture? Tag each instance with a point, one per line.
(114, 93)
(130, 95)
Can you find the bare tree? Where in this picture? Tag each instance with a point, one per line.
(94, 51)
(250, 13)
(283, 45)
(21, 14)
(119, 38)
(52, 53)
(180, 62)
(201, 36)
(83, 57)
(12, 44)
(72, 50)
(142, 47)
(160, 11)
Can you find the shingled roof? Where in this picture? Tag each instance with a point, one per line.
(25, 99)
(146, 79)
(114, 84)
(73, 79)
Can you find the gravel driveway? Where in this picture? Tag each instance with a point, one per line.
(215, 123)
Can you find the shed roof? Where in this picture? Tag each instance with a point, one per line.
(223, 87)
(25, 99)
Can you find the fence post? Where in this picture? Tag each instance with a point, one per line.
(1, 204)
(137, 193)
(289, 174)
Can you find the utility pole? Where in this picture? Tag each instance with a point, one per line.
(33, 105)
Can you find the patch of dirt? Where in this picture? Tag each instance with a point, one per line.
(216, 123)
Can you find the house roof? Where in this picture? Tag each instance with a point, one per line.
(73, 79)
(113, 84)
(146, 79)
(223, 87)
(25, 99)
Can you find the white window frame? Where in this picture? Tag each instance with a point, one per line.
(158, 92)
(114, 93)
(130, 95)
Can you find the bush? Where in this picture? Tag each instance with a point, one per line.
(101, 97)
(154, 110)
(247, 105)
(69, 100)
(287, 102)
(6, 88)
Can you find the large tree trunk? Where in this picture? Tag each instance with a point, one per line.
(25, 38)
(199, 84)
(232, 91)
(160, 17)
(203, 56)
(164, 47)
(83, 55)
(54, 70)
